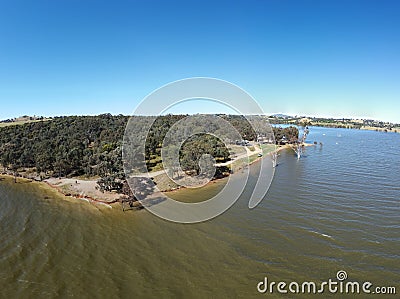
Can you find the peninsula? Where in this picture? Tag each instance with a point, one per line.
(81, 156)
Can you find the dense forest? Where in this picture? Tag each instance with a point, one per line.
(91, 146)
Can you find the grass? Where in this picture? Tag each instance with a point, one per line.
(66, 189)
(87, 178)
(252, 158)
(155, 164)
(22, 122)
(164, 183)
(240, 163)
(156, 167)
(268, 148)
(236, 150)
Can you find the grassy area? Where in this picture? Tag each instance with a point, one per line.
(345, 125)
(268, 148)
(240, 163)
(14, 123)
(236, 149)
(252, 158)
(66, 189)
(164, 183)
(87, 178)
(395, 130)
(155, 163)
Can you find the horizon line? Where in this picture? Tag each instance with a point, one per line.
(288, 115)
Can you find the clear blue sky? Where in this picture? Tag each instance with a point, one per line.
(327, 58)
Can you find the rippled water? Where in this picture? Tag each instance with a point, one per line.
(335, 209)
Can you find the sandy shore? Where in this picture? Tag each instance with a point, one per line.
(395, 130)
(73, 188)
(82, 189)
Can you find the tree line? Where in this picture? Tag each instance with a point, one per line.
(91, 146)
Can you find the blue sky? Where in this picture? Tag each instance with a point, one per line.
(326, 58)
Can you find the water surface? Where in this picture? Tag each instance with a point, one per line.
(335, 209)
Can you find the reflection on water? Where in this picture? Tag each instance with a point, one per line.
(335, 209)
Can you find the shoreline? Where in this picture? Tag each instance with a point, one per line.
(383, 130)
(47, 185)
(86, 189)
(257, 158)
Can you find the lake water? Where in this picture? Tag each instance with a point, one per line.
(335, 209)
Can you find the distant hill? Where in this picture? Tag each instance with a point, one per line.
(280, 115)
(349, 123)
(22, 120)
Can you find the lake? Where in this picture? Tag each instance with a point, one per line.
(337, 208)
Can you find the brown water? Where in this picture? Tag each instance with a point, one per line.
(335, 209)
